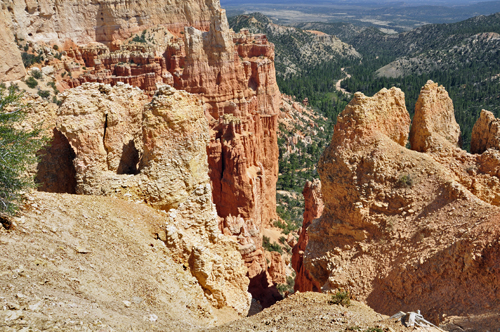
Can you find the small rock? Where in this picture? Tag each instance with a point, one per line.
(82, 250)
(14, 315)
(137, 300)
(127, 304)
(153, 318)
(36, 306)
(13, 306)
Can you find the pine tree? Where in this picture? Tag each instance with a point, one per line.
(17, 149)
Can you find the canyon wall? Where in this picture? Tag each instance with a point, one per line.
(188, 45)
(403, 229)
(53, 21)
(11, 65)
(155, 152)
(313, 199)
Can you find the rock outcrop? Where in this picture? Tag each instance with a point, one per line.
(403, 229)
(156, 153)
(188, 45)
(434, 126)
(11, 65)
(313, 199)
(105, 21)
(485, 133)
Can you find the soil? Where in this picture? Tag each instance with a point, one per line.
(87, 263)
(313, 312)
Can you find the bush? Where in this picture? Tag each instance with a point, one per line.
(36, 74)
(31, 82)
(342, 298)
(30, 59)
(55, 47)
(44, 94)
(282, 239)
(140, 39)
(288, 287)
(17, 149)
(52, 84)
(266, 243)
(405, 181)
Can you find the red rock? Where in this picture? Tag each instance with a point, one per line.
(313, 199)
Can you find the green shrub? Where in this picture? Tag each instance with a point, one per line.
(31, 82)
(342, 298)
(55, 47)
(266, 243)
(36, 74)
(282, 239)
(30, 59)
(288, 287)
(44, 94)
(52, 84)
(18, 150)
(405, 181)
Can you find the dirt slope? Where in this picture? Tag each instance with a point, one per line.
(84, 263)
(312, 312)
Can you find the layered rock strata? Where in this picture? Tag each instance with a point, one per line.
(404, 229)
(156, 153)
(313, 199)
(105, 21)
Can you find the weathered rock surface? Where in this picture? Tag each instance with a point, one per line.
(11, 64)
(156, 153)
(313, 209)
(93, 263)
(187, 44)
(105, 21)
(485, 133)
(434, 125)
(402, 229)
(277, 268)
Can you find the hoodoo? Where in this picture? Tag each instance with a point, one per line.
(403, 227)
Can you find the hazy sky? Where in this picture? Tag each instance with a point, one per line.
(407, 2)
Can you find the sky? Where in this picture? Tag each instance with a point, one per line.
(391, 2)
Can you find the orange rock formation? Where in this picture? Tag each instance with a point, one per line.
(313, 199)
(405, 229)
(193, 50)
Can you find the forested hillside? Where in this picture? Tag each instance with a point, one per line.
(297, 50)
(463, 56)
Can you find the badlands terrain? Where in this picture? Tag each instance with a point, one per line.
(181, 190)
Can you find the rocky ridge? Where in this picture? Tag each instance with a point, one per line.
(405, 229)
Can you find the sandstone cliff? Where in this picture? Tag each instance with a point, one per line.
(156, 153)
(105, 21)
(188, 45)
(11, 65)
(313, 209)
(403, 229)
